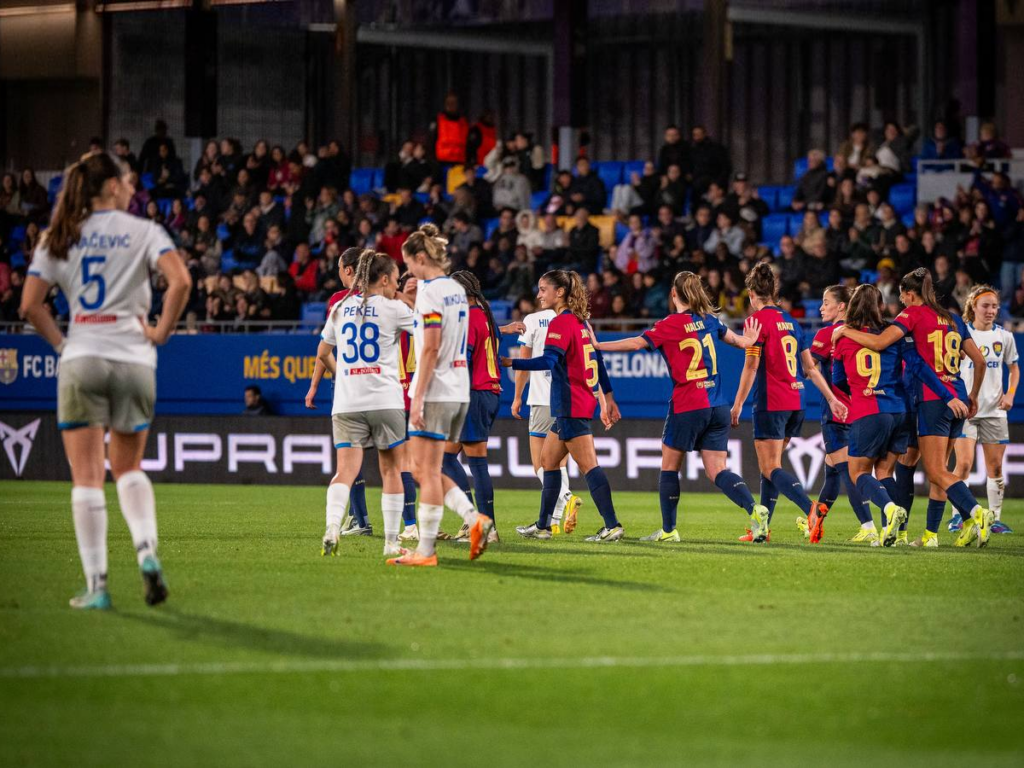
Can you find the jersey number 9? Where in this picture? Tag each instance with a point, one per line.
(869, 365)
(366, 348)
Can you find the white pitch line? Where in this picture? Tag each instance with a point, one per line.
(455, 665)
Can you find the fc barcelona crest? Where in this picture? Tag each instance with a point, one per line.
(8, 366)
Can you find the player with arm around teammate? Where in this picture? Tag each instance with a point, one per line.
(698, 414)
(989, 426)
(577, 373)
(101, 258)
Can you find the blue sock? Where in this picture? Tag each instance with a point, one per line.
(409, 489)
(962, 498)
(668, 493)
(734, 487)
(790, 487)
(892, 488)
(357, 500)
(452, 468)
(870, 488)
(549, 496)
(830, 488)
(860, 507)
(482, 485)
(936, 509)
(905, 485)
(769, 495)
(601, 493)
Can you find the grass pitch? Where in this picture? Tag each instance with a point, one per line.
(708, 652)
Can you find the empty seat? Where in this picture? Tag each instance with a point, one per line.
(362, 180)
(902, 197)
(770, 196)
(609, 172)
(313, 312)
(631, 167)
(490, 225)
(773, 227)
(796, 220)
(784, 201)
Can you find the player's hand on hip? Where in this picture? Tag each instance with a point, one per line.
(959, 408)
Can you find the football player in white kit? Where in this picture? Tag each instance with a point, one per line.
(369, 406)
(989, 426)
(439, 394)
(101, 258)
(531, 342)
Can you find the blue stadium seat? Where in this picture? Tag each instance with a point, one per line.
(17, 259)
(501, 309)
(481, 171)
(631, 167)
(16, 236)
(770, 195)
(147, 181)
(490, 225)
(164, 204)
(53, 187)
(868, 276)
(610, 172)
(227, 261)
(423, 197)
(773, 227)
(823, 219)
(908, 219)
(378, 178)
(902, 197)
(537, 199)
(800, 167)
(223, 233)
(784, 201)
(621, 230)
(313, 312)
(812, 307)
(362, 180)
(796, 220)
(549, 172)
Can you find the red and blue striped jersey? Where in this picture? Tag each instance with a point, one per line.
(873, 379)
(939, 343)
(480, 349)
(687, 342)
(822, 352)
(778, 386)
(574, 377)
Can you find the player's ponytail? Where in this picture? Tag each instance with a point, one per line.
(972, 299)
(428, 241)
(83, 181)
(761, 280)
(474, 292)
(920, 282)
(864, 309)
(690, 290)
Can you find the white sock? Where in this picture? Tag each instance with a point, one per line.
(564, 494)
(868, 526)
(540, 475)
(459, 503)
(392, 505)
(89, 509)
(429, 518)
(996, 488)
(337, 503)
(138, 505)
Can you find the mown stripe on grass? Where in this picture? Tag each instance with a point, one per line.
(497, 664)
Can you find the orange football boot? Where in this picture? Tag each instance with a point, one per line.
(415, 559)
(748, 536)
(478, 535)
(816, 522)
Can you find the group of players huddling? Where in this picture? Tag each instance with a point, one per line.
(416, 370)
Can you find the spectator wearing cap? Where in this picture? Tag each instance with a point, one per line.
(587, 190)
(940, 145)
(512, 188)
(638, 250)
(709, 160)
(727, 233)
(744, 206)
(815, 188)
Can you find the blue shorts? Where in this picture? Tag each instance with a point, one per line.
(835, 435)
(483, 410)
(777, 425)
(567, 428)
(912, 429)
(878, 435)
(706, 429)
(935, 419)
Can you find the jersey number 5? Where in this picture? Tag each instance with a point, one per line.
(591, 363)
(90, 276)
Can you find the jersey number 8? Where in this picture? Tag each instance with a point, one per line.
(946, 351)
(789, 349)
(367, 349)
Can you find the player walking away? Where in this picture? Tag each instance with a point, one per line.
(406, 368)
(368, 404)
(101, 258)
(771, 364)
(440, 394)
(836, 433)
(941, 339)
(484, 394)
(356, 521)
(989, 426)
(531, 343)
(577, 372)
(698, 413)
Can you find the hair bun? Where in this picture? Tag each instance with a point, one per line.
(430, 230)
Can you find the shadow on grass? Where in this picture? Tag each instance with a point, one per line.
(499, 568)
(236, 634)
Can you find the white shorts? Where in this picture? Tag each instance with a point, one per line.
(370, 429)
(541, 420)
(96, 392)
(987, 431)
(442, 421)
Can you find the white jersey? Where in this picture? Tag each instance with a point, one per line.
(999, 349)
(367, 377)
(534, 337)
(441, 303)
(105, 280)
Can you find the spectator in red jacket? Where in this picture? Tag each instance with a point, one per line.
(390, 241)
(303, 269)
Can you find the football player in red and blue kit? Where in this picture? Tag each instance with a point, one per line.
(579, 382)
(698, 414)
(772, 365)
(940, 339)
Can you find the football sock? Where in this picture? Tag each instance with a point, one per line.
(601, 493)
(790, 487)
(452, 467)
(429, 516)
(735, 488)
(337, 499)
(892, 487)
(482, 484)
(391, 506)
(668, 493)
(138, 505)
(860, 507)
(830, 488)
(461, 505)
(769, 495)
(89, 510)
(357, 497)
(995, 488)
(962, 498)
(936, 509)
(409, 494)
(905, 485)
(564, 494)
(548, 497)
(871, 488)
